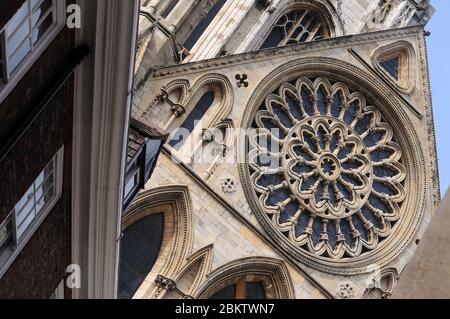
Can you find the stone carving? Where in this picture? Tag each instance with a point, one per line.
(378, 17)
(406, 11)
(365, 219)
(228, 185)
(339, 188)
(241, 80)
(165, 283)
(345, 291)
(382, 284)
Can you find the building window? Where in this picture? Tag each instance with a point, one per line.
(142, 155)
(296, 26)
(30, 211)
(391, 66)
(139, 250)
(396, 62)
(242, 289)
(179, 138)
(25, 37)
(168, 10)
(132, 180)
(203, 25)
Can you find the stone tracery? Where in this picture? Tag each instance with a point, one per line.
(337, 184)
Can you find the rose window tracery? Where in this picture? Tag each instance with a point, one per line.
(325, 168)
(297, 26)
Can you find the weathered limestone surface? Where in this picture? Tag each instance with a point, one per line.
(226, 229)
(428, 273)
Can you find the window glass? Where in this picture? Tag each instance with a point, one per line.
(40, 12)
(225, 293)
(192, 120)
(254, 290)
(5, 235)
(23, 32)
(131, 183)
(17, 20)
(391, 66)
(296, 27)
(139, 250)
(203, 25)
(34, 200)
(169, 8)
(30, 210)
(41, 29)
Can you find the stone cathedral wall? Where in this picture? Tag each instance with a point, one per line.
(225, 225)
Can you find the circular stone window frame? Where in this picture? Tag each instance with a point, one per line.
(412, 158)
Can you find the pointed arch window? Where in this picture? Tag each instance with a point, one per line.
(169, 8)
(242, 288)
(192, 120)
(297, 26)
(396, 62)
(203, 25)
(139, 250)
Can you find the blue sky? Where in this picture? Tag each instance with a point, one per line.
(439, 54)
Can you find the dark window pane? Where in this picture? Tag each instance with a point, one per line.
(191, 121)
(295, 27)
(169, 8)
(39, 12)
(203, 25)
(391, 66)
(42, 28)
(226, 293)
(139, 250)
(254, 290)
(273, 39)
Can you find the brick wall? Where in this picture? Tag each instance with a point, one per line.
(41, 265)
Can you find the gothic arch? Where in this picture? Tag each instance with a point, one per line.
(179, 85)
(222, 146)
(324, 8)
(212, 115)
(175, 203)
(410, 215)
(195, 271)
(406, 55)
(279, 285)
(383, 284)
(221, 85)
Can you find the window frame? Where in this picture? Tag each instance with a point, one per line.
(301, 13)
(184, 152)
(8, 256)
(9, 80)
(133, 175)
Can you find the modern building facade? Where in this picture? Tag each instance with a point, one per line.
(301, 159)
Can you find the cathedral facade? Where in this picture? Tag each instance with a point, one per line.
(300, 160)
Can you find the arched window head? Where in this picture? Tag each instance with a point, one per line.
(297, 26)
(193, 119)
(244, 287)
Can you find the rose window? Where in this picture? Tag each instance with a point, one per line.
(325, 169)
